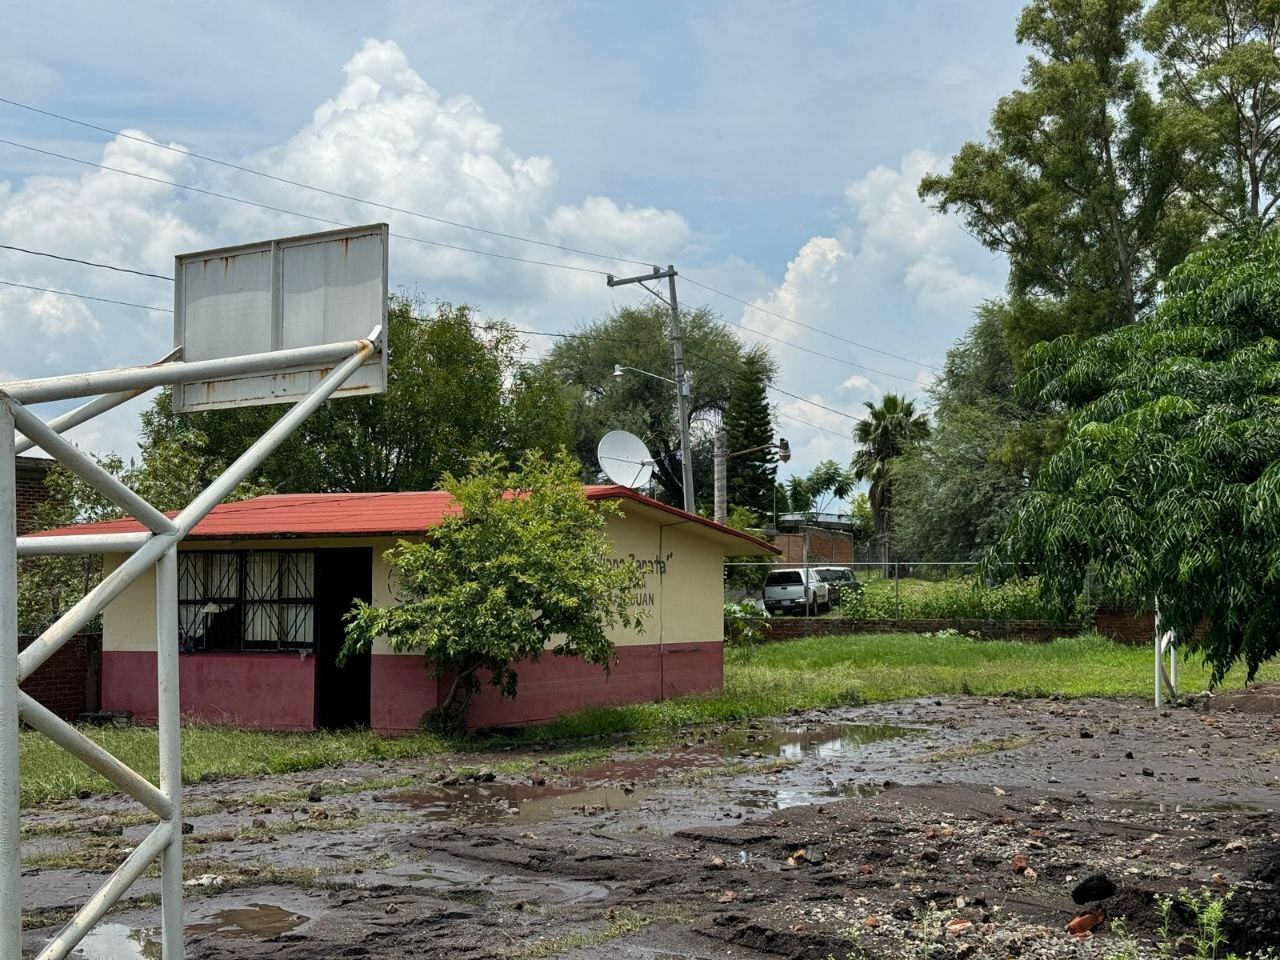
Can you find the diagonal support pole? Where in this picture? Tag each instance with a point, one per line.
(114, 583)
(89, 471)
(43, 720)
(97, 906)
(86, 412)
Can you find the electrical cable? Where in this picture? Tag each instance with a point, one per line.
(295, 213)
(87, 263)
(453, 223)
(85, 296)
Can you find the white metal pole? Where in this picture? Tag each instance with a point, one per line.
(170, 729)
(721, 458)
(1159, 655)
(10, 825)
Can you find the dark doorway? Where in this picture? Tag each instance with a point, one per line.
(342, 692)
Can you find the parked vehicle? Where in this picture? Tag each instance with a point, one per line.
(841, 581)
(795, 591)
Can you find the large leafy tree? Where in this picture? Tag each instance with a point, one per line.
(748, 425)
(889, 430)
(456, 389)
(1167, 487)
(638, 337)
(507, 579)
(955, 490)
(1078, 180)
(1219, 69)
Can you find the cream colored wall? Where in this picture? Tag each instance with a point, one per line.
(682, 592)
(129, 622)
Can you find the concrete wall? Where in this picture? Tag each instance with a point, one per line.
(678, 650)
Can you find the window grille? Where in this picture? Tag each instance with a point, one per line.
(246, 600)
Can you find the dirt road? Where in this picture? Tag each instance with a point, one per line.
(933, 829)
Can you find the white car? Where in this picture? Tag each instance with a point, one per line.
(796, 591)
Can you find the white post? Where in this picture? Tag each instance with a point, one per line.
(170, 730)
(10, 825)
(720, 457)
(1159, 669)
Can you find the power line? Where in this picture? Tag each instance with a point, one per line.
(87, 263)
(453, 223)
(85, 296)
(295, 213)
(692, 353)
(807, 326)
(322, 190)
(794, 346)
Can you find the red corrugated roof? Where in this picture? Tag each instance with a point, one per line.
(359, 514)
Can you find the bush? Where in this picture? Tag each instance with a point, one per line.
(959, 599)
(739, 623)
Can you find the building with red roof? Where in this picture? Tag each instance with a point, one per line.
(264, 584)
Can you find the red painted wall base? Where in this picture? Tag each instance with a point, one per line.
(403, 690)
(262, 691)
(277, 691)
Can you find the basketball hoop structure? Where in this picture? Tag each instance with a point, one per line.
(297, 320)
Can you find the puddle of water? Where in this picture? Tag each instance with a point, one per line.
(262, 920)
(517, 802)
(827, 742)
(783, 797)
(117, 941)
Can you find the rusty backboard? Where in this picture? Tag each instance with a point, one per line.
(276, 295)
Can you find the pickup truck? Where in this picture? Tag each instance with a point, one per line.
(794, 591)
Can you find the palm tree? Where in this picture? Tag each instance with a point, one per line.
(882, 436)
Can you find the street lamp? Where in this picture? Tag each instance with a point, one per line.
(619, 369)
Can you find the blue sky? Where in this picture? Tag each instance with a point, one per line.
(769, 149)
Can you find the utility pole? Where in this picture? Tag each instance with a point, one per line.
(682, 384)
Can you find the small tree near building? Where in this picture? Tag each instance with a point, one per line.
(522, 569)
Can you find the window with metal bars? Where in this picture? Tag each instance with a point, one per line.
(246, 600)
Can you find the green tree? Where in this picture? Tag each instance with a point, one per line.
(889, 430)
(638, 337)
(1219, 68)
(1166, 489)
(507, 579)
(456, 389)
(1078, 183)
(955, 489)
(748, 424)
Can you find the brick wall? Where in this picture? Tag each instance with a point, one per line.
(790, 628)
(825, 546)
(1125, 626)
(69, 682)
(31, 472)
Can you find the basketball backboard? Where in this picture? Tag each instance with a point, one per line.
(274, 295)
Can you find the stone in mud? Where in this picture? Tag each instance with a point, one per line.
(315, 794)
(1096, 886)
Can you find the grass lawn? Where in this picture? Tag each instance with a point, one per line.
(767, 680)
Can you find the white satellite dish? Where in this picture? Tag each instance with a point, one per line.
(625, 459)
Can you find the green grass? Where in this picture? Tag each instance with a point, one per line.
(762, 681)
(955, 598)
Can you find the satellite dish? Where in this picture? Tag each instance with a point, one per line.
(625, 459)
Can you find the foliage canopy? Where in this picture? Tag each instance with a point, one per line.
(1167, 487)
(521, 570)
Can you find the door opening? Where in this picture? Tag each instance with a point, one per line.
(343, 576)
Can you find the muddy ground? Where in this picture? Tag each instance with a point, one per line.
(930, 828)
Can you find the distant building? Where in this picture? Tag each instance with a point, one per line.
(264, 584)
(31, 473)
